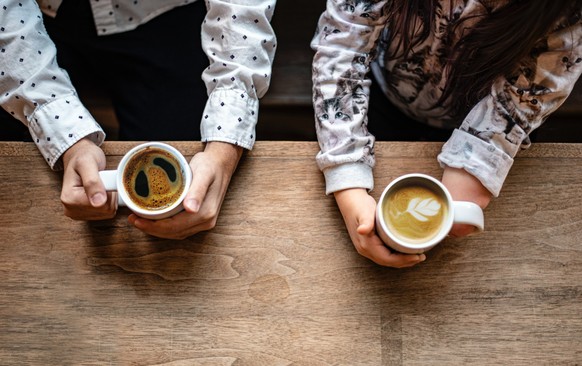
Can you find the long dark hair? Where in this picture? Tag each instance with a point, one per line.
(493, 47)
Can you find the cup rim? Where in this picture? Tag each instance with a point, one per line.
(121, 187)
(447, 225)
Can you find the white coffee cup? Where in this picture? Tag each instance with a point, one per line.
(416, 212)
(160, 204)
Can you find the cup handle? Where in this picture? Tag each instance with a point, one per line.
(109, 179)
(469, 213)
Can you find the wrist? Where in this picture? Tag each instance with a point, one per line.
(463, 186)
(228, 155)
(80, 145)
(347, 197)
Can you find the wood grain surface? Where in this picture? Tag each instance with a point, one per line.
(278, 282)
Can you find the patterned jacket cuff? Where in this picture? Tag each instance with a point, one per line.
(230, 116)
(58, 125)
(349, 175)
(483, 160)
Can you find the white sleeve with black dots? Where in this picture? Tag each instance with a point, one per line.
(34, 89)
(240, 43)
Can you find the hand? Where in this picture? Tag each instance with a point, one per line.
(465, 187)
(358, 209)
(212, 170)
(83, 194)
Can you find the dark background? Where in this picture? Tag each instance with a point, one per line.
(286, 112)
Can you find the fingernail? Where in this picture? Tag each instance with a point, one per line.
(422, 257)
(192, 205)
(98, 199)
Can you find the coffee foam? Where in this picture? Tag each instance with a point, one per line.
(415, 213)
(161, 191)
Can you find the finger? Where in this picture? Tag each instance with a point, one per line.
(94, 188)
(76, 206)
(461, 230)
(178, 227)
(409, 260)
(400, 260)
(72, 190)
(381, 255)
(72, 193)
(154, 227)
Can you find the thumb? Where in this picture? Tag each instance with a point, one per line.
(94, 188)
(197, 192)
(366, 224)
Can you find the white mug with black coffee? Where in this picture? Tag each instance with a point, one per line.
(416, 212)
(152, 180)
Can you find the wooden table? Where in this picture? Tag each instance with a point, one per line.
(278, 282)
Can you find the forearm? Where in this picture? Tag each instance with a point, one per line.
(240, 44)
(35, 90)
(343, 47)
(498, 126)
(347, 198)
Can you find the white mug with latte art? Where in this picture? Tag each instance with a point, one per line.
(416, 212)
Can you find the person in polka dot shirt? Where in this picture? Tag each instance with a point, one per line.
(175, 70)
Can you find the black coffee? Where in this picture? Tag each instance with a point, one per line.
(153, 179)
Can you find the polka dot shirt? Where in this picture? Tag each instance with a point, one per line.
(236, 36)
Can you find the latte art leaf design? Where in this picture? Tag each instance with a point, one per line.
(415, 213)
(422, 208)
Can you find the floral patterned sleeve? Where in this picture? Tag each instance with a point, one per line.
(499, 125)
(345, 38)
